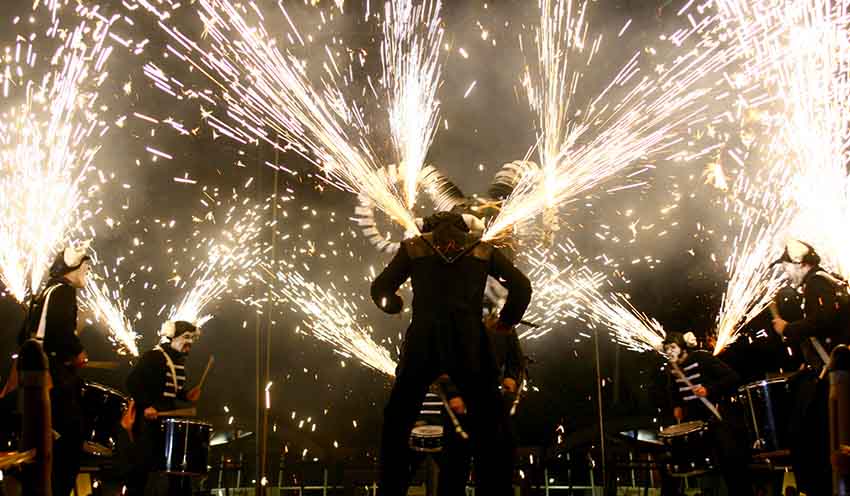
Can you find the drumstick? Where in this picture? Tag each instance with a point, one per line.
(206, 371)
(101, 365)
(458, 428)
(774, 311)
(708, 404)
(180, 412)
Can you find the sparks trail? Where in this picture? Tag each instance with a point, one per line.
(48, 144)
(330, 317)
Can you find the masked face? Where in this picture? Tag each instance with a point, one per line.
(183, 342)
(795, 272)
(674, 352)
(80, 276)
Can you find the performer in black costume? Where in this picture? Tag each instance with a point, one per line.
(511, 364)
(52, 319)
(714, 380)
(826, 313)
(446, 340)
(156, 384)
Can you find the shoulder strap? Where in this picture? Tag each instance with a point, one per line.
(42, 321)
(171, 367)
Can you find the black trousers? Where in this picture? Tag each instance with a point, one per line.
(489, 442)
(67, 420)
(456, 458)
(809, 434)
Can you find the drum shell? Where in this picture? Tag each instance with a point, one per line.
(690, 451)
(768, 405)
(184, 446)
(102, 409)
(427, 438)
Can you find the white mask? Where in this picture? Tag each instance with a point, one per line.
(795, 272)
(183, 342)
(673, 352)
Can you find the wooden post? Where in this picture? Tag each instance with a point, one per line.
(36, 432)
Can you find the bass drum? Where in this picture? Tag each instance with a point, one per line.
(690, 448)
(184, 446)
(102, 409)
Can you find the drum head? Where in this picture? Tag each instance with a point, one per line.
(427, 431)
(680, 429)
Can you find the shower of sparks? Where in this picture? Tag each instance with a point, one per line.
(633, 117)
(815, 87)
(561, 37)
(802, 59)
(629, 326)
(269, 95)
(47, 144)
(412, 75)
(558, 288)
(110, 308)
(230, 260)
(765, 217)
(330, 317)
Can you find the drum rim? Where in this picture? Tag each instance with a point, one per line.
(106, 388)
(696, 424)
(431, 431)
(762, 383)
(174, 420)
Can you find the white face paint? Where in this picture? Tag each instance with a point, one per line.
(183, 342)
(795, 272)
(79, 277)
(673, 352)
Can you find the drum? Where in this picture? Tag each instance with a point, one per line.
(427, 438)
(184, 445)
(102, 409)
(768, 405)
(690, 448)
(427, 434)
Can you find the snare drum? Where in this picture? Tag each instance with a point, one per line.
(427, 438)
(768, 405)
(102, 409)
(690, 448)
(427, 434)
(184, 445)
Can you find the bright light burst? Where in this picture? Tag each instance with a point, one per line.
(110, 308)
(633, 117)
(629, 326)
(47, 144)
(332, 318)
(800, 55)
(412, 76)
(764, 218)
(268, 94)
(558, 287)
(229, 261)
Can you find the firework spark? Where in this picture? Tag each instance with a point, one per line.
(269, 95)
(332, 318)
(412, 76)
(229, 261)
(630, 327)
(110, 308)
(47, 145)
(632, 118)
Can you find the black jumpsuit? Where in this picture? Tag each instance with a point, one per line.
(822, 319)
(728, 436)
(152, 384)
(446, 336)
(62, 346)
